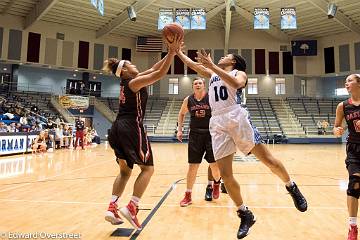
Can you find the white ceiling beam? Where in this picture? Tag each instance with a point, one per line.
(7, 7)
(273, 31)
(38, 12)
(227, 26)
(339, 16)
(212, 13)
(123, 17)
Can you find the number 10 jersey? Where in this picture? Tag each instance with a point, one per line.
(221, 95)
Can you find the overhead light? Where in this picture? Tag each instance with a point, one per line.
(94, 77)
(331, 10)
(74, 75)
(76, 70)
(5, 69)
(131, 13)
(20, 63)
(232, 5)
(101, 73)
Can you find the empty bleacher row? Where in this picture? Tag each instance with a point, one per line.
(311, 110)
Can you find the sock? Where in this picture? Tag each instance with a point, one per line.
(289, 183)
(352, 220)
(242, 207)
(114, 198)
(188, 190)
(210, 183)
(218, 182)
(135, 200)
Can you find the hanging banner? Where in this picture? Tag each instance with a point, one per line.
(182, 16)
(101, 7)
(166, 16)
(261, 18)
(198, 19)
(74, 102)
(288, 18)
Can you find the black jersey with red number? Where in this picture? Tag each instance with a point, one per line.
(131, 104)
(352, 117)
(200, 113)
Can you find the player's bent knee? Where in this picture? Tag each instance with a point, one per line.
(354, 186)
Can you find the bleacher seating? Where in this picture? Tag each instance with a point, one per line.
(311, 110)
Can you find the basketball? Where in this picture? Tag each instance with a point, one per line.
(171, 30)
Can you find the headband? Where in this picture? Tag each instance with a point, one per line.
(119, 68)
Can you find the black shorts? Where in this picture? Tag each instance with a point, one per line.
(130, 142)
(353, 158)
(200, 143)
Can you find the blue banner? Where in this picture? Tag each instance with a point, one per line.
(198, 19)
(288, 18)
(261, 18)
(182, 16)
(166, 16)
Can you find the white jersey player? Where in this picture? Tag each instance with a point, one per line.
(231, 128)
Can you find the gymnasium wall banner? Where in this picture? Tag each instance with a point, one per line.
(94, 3)
(261, 18)
(11, 143)
(99, 5)
(288, 18)
(166, 16)
(182, 16)
(198, 19)
(74, 102)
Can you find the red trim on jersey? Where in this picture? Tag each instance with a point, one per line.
(144, 157)
(350, 101)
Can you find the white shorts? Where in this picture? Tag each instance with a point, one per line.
(230, 128)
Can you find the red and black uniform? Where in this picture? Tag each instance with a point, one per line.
(199, 136)
(352, 117)
(127, 135)
(79, 125)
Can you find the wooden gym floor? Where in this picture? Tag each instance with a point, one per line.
(68, 192)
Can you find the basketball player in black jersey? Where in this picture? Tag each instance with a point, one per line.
(127, 135)
(350, 111)
(199, 141)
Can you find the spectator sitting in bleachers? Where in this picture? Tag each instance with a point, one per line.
(319, 127)
(49, 141)
(324, 125)
(67, 136)
(59, 137)
(18, 127)
(95, 137)
(3, 127)
(12, 127)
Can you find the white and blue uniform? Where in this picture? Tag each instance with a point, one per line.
(230, 124)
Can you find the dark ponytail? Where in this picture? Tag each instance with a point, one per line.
(240, 63)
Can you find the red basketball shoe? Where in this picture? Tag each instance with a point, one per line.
(130, 212)
(112, 215)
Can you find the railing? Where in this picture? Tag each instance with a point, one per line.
(150, 129)
(26, 87)
(167, 120)
(104, 109)
(289, 116)
(63, 111)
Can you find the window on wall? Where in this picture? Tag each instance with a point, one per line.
(173, 86)
(252, 86)
(279, 86)
(151, 90)
(303, 87)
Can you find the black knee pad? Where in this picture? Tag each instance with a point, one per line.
(351, 191)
